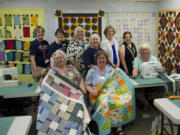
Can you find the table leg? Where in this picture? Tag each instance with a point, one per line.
(162, 122)
(178, 132)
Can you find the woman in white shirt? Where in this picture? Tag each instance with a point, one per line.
(111, 46)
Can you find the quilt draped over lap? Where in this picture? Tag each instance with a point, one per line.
(115, 104)
(61, 110)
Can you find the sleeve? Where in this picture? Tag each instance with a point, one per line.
(87, 58)
(89, 77)
(77, 74)
(70, 52)
(33, 49)
(103, 46)
(50, 51)
(135, 62)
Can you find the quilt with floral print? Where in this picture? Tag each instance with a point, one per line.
(115, 105)
(61, 108)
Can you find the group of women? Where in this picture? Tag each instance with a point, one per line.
(89, 63)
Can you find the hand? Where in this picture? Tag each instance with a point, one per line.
(127, 72)
(40, 82)
(133, 76)
(84, 91)
(94, 93)
(37, 75)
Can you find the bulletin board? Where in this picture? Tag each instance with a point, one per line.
(169, 39)
(141, 25)
(16, 32)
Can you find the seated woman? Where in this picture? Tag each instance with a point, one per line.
(62, 101)
(106, 86)
(59, 61)
(91, 51)
(145, 56)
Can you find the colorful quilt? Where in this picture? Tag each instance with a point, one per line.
(61, 107)
(91, 22)
(115, 105)
(142, 25)
(169, 39)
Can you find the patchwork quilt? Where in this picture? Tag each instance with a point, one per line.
(169, 39)
(61, 110)
(91, 23)
(115, 105)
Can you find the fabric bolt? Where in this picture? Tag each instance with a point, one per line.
(59, 111)
(8, 20)
(115, 104)
(18, 44)
(10, 56)
(26, 56)
(18, 56)
(10, 44)
(17, 33)
(27, 69)
(25, 19)
(26, 32)
(26, 46)
(20, 68)
(2, 56)
(34, 20)
(17, 20)
(2, 45)
(1, 33)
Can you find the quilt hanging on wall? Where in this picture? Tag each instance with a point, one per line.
(16, 32)
(19, 23)
(141, 25)
(169, 39)
(91, 22)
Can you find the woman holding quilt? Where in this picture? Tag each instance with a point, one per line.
(106, 86)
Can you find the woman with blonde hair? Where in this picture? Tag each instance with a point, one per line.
(39, 53)
(145, 56)
(91, 51)
(76, 49)
(111, 46)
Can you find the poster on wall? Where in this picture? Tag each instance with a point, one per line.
(169, 39)
(16, 31)
(141, 25)
(91, 23)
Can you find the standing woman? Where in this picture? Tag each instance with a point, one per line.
(127, 53)
(38, 53)
(111, 46)
(91, 51)
(58, 44)
(76, 49)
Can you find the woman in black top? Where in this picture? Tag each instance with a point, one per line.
(127, 53)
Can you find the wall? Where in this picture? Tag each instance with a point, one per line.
(169, 4)
(77, 6)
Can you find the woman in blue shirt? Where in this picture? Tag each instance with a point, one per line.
(38, 53)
